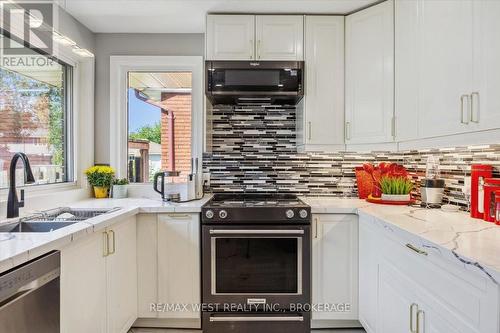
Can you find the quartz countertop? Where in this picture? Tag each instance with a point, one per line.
(17, 248)
(456, 236)
(470, 242)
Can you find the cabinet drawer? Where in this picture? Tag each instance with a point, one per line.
(468, 297)
(188, 217)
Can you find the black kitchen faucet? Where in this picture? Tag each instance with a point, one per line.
(13, 203)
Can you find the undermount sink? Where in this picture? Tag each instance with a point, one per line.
(53, 219)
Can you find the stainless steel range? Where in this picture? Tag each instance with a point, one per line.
(256, 264)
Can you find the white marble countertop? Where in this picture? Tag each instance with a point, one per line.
(456, 236)
(17, 248)
(470, 242)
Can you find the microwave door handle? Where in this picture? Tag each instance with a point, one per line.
(255, 232)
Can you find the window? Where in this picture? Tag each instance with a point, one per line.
(159, 124)
(34, 115)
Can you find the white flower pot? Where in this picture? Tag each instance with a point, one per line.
(119, 191)
(396, 197)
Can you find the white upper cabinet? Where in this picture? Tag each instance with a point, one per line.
(230, 37)
(370, 75)
(279, 37)
(445, 66)
(447, 69)
(322, 118)
(485, 97)
(250, 37)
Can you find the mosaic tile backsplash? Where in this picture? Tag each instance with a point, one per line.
(254, 150)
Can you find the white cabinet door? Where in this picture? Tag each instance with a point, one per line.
(335, 265)
(179, 263)
(323, 119)
(147, 265)
(279, 37)
(370, 75)
(121, 269)
(485, 96)
(445, 66)
(83, 286)
(368, 275)
(395, 299)
(431, 320)
(406, 70)
(230, 37)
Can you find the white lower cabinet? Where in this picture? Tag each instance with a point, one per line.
(169, 269)
(83, 286)
(368, 271)
(179, 263)
(335, 267)
(99, 281)
(121, 272)
(415, 289)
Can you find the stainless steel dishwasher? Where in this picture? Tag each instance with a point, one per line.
(29, 296)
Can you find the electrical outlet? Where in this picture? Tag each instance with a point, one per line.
(467, 186)
(206, 179)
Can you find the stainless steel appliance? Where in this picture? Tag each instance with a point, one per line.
(255, 82)
(432, 191)
(29, 296)
(166, 194)
(256, 264)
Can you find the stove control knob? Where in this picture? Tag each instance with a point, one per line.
(209, 214)
(303, 213)
(289, 213)
(222, 214)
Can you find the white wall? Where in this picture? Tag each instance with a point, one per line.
(131, 44)
(69, 26)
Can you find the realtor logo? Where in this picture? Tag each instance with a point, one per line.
(29, 26)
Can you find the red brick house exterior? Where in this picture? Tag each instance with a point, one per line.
(180, 105)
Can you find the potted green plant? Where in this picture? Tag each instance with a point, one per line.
(119, 189)
(396, 188)
(100, 177)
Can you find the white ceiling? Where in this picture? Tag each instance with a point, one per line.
(187, 16)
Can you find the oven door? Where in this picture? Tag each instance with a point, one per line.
(256, 266)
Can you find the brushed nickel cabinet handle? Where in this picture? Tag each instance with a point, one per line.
(112, 233)
(105, 244)
(258, 49)
(316, 227)
(474, 96)
(416, 249)
(463, 120)
(412, 306)
(393, 127)
(309, 130)
(251, 47)
(348, 130)
(420, 314)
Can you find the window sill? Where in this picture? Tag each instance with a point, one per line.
(38, 190)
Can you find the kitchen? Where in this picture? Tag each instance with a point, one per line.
(272, 166)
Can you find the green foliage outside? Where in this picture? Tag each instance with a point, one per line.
(32, 105)
(150, 133)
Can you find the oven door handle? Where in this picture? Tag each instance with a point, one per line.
(255, 318)
(255, 232)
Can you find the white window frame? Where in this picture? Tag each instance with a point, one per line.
(81, 121)
(120, 66)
